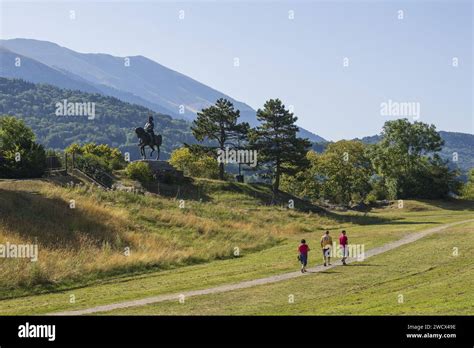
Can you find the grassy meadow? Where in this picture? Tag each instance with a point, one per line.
(89, 243)
(173, 249)
(423, 278)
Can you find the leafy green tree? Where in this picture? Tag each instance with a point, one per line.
(306, 182)
(192, 164)
(406, 158)
(20, 156)
(346, 171)
(434, 179)
(111, 156)
(379, 189)
(218, 124)
(468, 189)
(403, 143)
(277, 143)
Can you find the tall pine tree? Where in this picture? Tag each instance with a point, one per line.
(218, 123)
(276, 141)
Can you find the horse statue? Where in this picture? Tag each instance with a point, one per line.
(145, 140)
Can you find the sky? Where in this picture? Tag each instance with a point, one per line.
(292, 50)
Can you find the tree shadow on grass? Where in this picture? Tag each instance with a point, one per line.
(205, 190)
(263, 193)
(202, 190)
(187, 188)
(329, 271)
(451, 204)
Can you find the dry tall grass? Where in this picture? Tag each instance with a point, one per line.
(90, 242)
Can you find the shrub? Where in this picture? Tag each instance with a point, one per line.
(371, 198)
(204, 166)
(468, 189)
(20, 156)
(139, 171)
(112, 157)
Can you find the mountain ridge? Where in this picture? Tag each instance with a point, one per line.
(144, 82)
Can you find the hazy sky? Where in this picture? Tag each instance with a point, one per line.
(298, 60)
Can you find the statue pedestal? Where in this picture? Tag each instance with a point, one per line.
(162, 170)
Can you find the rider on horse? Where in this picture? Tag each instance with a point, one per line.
(149, 126)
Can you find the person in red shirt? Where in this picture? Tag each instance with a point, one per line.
(303, 255)
(343, 243)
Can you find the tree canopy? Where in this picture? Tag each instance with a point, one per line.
(277, 143)
(407, 159)
(219, 124)
(20, 155)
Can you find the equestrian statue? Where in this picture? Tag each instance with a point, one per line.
(147, 137)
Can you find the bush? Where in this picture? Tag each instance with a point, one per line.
(203, 166)
(371, 198)
(467, 191)
(139, 171)
(110, 156)
(20, 156)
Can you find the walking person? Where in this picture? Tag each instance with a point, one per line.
(326, 244)
(343, 244)
(303, 255)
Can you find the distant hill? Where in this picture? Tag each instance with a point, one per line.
(463, 144)
(314, 138)
(144, 81)
(114, 123)
(34, 71)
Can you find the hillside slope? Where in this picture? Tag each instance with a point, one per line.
(113, 124)
(225, 233)
(144, 81)
(34, 71)
(88, 242)
(144, 77)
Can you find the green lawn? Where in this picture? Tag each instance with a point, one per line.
(431, 279)
(356, 282)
